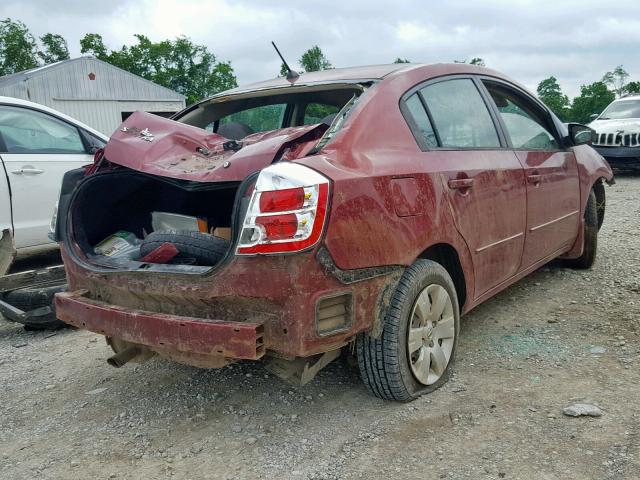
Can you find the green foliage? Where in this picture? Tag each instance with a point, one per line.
(401, 60)
(313, 60)
(593, 98)
(18, 48)
(177, 64)
(550, 93)
(616, 79)
(632, 87)
(474, 61)
(55, 48)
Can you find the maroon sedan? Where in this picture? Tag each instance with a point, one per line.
(362, 208)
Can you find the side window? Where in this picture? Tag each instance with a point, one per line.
(317, 112)
(258, 119)
(460, 115)
(522, 119)
(29, 131)
(421, 120)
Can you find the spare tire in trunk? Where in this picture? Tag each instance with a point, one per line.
(204, 249)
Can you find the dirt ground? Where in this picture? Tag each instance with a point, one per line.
(557, 337)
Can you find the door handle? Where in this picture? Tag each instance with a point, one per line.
(460, 183)
(534, 178)
(28, 171)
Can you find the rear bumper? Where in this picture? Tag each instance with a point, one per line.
(158, 331)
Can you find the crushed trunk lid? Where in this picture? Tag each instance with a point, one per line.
(159, 146)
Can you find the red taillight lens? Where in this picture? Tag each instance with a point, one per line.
(287, 210)
(279, 227)
(282, 200)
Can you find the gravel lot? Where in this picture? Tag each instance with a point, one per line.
(557, 337)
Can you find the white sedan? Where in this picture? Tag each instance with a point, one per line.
(38, 145)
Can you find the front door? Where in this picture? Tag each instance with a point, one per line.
(36, 149)
(484, 179)
(553, 192)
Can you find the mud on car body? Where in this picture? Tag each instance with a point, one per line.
(366, 208)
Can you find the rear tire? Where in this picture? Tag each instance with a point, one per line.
(423, 316)
(591, 227)
(203, 248)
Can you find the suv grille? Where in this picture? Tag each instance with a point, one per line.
(618, 139)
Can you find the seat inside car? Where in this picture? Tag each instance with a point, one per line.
(234, 130)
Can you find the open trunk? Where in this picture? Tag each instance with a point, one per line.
(123, 201)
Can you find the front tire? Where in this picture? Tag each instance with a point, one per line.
(414, 354)
(591, 227)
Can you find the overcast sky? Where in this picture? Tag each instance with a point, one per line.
(576, 41)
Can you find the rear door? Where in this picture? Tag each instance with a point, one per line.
(553, 192)
(484, 179)
(36, 149)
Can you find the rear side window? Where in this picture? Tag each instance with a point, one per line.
(421, 120)
(460, 115)
(523, 120)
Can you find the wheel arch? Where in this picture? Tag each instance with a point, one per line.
(598, 189)
(447, 256)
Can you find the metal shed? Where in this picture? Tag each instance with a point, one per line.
(92, 91)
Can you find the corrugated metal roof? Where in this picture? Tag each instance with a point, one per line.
(17, 78)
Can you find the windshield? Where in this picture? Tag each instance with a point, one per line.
(622, 109)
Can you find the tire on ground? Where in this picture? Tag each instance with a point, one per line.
(30, 298)
(203, 248)
(384, 362)
(588, 257)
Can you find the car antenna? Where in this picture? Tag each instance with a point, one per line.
(292, 75)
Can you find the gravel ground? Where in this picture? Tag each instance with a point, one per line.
(555, 338)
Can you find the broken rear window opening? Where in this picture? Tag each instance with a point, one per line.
(244, 114)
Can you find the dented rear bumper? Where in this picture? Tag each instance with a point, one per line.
(163, 332)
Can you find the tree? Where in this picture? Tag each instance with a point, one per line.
(314, 60)
(55, 48)
(18, 48)
(93, 44)
(178, 64)
(616, 80)
(550, 93)
(474, 61)
(593, 99)
(632, 87)
(401, 60)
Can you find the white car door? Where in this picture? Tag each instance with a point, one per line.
(37, 149)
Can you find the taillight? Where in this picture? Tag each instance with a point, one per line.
(287, 210)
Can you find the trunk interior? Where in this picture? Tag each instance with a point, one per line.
(123, 201)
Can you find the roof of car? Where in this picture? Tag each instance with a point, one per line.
(350, 74)
(36, 106)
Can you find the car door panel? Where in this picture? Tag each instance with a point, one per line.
(553, 192)
(35, 181)
(484, 181)
(494, 234)
(553, 198)
(38, 149)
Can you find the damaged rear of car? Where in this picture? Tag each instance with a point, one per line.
(162, 234)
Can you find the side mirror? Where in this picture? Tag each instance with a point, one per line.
(593, 116)
(581, 134)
